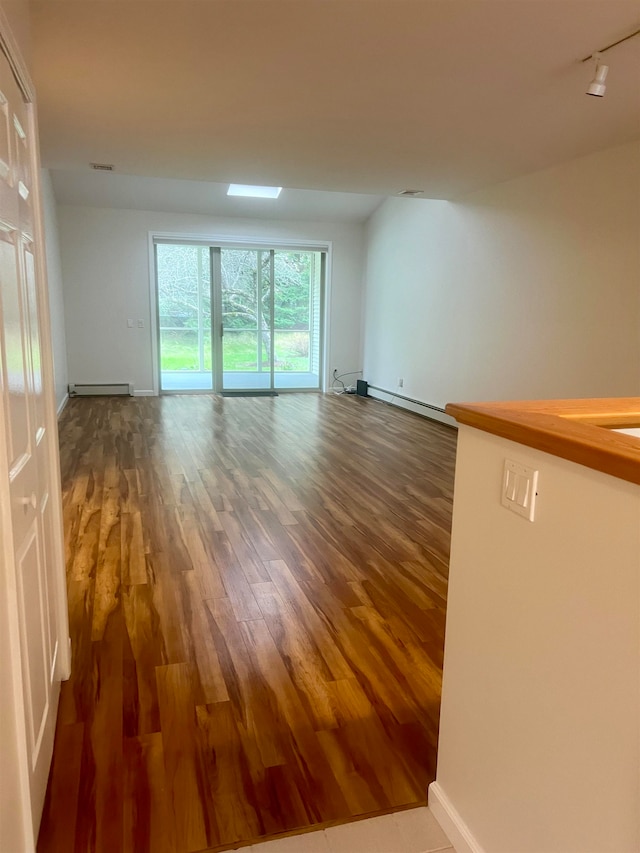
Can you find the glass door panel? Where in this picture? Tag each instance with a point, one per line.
(184, 317)
(245, 284)
(297, 318)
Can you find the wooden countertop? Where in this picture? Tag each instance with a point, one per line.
(578, 430)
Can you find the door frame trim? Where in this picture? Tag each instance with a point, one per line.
(10, 48)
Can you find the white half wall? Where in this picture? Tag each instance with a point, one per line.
(539, 745)
(105, 254)
(56, 299)
(530, 289)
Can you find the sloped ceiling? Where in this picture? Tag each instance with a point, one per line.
(86, 188)
(362, 96)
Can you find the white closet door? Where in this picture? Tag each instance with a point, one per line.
(25, 440)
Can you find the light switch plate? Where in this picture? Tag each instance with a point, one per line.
(519, 489)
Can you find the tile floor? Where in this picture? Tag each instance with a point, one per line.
(410, 831)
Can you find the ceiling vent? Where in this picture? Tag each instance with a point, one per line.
(102, 167)
(411, 193)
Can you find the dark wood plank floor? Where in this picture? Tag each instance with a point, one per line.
(257, 595)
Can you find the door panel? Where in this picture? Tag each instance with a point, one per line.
(5, 155)
(35, 639)
(15, 362)
(22, 168)
(37, 389)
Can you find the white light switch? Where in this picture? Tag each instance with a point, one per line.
(519, 489)
(141, 324)
(130, 323)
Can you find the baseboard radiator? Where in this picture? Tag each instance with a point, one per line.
(109, 389)
(394, 394)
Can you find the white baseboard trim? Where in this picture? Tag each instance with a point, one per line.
(64, 402)
(150, 393)
(452, 824)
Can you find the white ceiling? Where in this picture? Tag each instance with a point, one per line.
(359, 96)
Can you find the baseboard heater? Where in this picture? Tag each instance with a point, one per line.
(393, 394)
(109, 389)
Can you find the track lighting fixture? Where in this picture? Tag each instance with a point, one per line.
(598, 87)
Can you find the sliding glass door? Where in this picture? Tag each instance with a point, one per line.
(265, 330)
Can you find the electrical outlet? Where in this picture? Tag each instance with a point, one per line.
(400, 382)
(141, 324)
(130, 323)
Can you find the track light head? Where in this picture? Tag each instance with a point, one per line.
(598, 87)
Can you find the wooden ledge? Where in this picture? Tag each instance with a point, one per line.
(578, 430)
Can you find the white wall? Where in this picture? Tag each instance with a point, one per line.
(105, 255)
(539, 742)
(529, 289)
(56, 300)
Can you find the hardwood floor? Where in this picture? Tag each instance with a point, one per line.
(257, 592)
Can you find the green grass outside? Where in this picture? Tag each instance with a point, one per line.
(180, 352)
